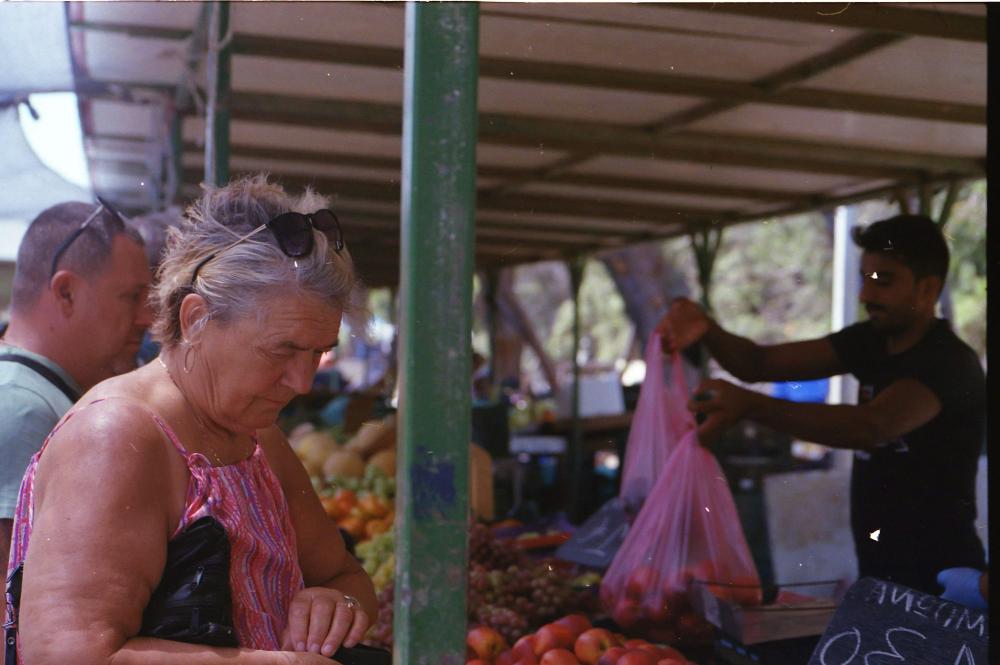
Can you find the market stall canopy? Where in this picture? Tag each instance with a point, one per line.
(33, 48)
(601, 125)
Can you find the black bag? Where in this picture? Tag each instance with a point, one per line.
(193, 602)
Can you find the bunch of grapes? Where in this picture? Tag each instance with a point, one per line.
(521, 598)
(505, 621)
(492, 553)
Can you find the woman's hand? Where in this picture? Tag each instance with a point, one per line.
(321, 619)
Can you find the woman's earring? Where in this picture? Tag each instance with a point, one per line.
(187, 353)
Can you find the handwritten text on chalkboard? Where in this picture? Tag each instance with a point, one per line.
(882, 622)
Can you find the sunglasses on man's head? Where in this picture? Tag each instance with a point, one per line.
(294, 233)
(113, 214)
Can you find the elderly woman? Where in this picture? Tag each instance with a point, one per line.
(250, 295)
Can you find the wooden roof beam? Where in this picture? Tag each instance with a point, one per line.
(526, 203)
(607, 180)
(613, 78)
(607, 138)
(864, 15)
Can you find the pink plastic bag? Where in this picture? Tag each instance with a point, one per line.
(661, 418)
(687, 533)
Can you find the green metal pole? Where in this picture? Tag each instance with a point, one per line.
(438, 208)
(705, 244)
(576, 268)
(219, 90)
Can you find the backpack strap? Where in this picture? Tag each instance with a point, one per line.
(44, 372)
(13, 605)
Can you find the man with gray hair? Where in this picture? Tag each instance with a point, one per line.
(78, 307)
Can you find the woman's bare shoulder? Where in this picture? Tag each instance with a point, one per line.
(113, 434)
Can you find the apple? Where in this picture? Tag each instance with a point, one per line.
(671, 661)
(634, 643)
(642, 580)
(553, 636)
(559, 657)
(476, 661)
(627, 613)
(636, 657)
(591, 645)
(612, 655)
(485, 642)
(525, 645)
(504, 658)
(620, 639)
(577, 623)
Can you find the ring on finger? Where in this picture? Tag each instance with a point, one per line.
(351, 602)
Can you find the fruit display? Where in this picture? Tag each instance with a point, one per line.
(569, 640)
(378, 557)
(508, 591)
(365, 506)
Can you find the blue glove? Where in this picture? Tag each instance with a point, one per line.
(961, 585)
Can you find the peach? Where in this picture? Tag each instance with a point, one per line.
(485, 643)
(577, 623)
(553, 636)
(592, 644)
(627, 613)
(642, 580)
(559, 657)
(612, 655)
(636, 657)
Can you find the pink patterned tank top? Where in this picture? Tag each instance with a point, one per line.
(246, 498)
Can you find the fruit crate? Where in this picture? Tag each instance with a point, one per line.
(796, 610)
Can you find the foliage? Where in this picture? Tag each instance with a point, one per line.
(966, 233)
(772, 280)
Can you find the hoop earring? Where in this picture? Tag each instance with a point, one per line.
(187, 353)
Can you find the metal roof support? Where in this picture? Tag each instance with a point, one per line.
(438, 208)
(951, 195)
(903, 199)
(219, 91)
(705, 243)
(846, 283)
(575, 457)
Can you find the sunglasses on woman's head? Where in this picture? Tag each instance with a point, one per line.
(115, 216)
(294, 233)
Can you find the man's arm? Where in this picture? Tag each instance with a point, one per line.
(899, 409)
(686, 324)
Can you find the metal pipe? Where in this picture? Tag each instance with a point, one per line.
(438, 207)
(219, 74)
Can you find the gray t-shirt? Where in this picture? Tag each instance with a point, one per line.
(30, 406)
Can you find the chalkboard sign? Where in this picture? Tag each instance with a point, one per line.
(882, 622)
(597, 540)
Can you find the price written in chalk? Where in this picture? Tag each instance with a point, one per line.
(845, 648)
(881, 622)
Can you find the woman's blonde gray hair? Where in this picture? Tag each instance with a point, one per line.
(235, 282)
